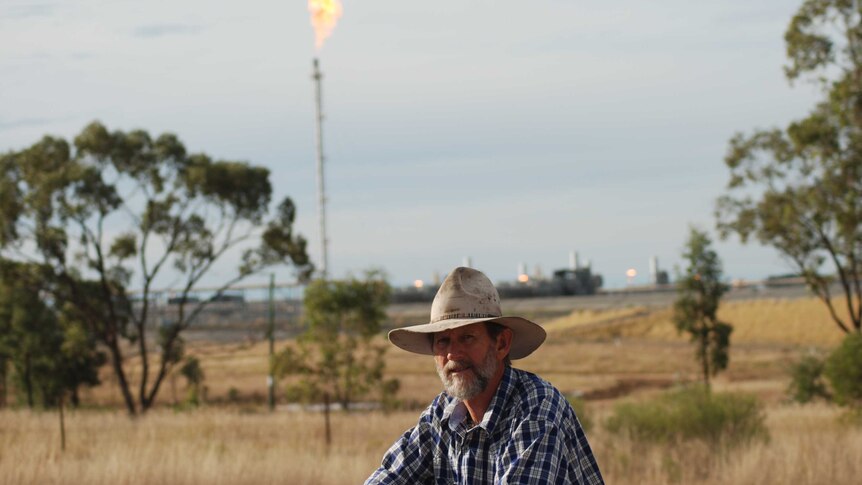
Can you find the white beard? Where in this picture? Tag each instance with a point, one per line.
(469, 384)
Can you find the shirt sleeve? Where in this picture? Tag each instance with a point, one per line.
(408, 461)
(538, 453)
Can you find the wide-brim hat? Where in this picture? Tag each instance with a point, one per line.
(467, 296)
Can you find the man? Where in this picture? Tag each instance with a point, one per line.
(493, 423)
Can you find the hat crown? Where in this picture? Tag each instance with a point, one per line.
(465, 293)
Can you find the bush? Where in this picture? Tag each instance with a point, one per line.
(806, 380)
(844, 371)
(194, 374)
(580, 408)
(722, 420)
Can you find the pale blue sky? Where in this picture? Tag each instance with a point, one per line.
(507, 131)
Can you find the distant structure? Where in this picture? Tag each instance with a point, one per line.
(537, 272)
(657, 276)
(653, 270)
(573, 280)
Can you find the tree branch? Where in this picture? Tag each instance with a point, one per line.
(827, 243)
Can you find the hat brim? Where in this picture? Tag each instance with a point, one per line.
(526, 335)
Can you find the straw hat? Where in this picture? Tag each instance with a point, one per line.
(467, 296)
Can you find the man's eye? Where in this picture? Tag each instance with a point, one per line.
(443, 341)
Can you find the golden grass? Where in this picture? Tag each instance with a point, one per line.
(213, 446)
(802, 321)
(224, 446)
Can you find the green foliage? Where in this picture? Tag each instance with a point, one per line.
(580, 407)
(806, 380)
(192, 371)
(844, 371)
(389, 394)
(696, 308)
(799, 189)
(51, 351)
(170, 210)
(337, 356)
(194, 375)
(721, 420)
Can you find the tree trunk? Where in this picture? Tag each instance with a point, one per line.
(148, 400)
(28, 381)
(117, 362)
(326, 418)
(3, 378)
(164, 368)
(704, 357)
(76, 399)
(62, 426)
(174, 388)
(145, 365)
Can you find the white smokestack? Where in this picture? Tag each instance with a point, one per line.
(573, 260)
(653, 270)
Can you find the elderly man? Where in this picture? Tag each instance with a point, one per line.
(493, 423)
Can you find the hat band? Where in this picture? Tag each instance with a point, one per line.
(453, 316)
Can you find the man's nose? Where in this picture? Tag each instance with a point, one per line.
(455, 350)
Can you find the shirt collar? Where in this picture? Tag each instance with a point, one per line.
(456, 411)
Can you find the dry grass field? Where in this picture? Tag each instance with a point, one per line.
(226, 446)
(604, 356)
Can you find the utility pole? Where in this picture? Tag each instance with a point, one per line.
(270, 333)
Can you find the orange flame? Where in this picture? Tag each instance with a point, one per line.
(324, 16)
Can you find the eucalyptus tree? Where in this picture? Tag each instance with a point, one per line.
(52, 353)
(338, 356)
(799, 189)
(116, 209)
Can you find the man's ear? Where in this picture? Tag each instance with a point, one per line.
(504, 343)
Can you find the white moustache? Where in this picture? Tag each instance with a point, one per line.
(454, 366)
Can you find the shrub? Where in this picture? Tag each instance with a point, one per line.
(722, 420)
(194, 374)
(844, 371)
(389, 395)
(806, 380)
(580, 408)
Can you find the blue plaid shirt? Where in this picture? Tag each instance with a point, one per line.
(529, 435)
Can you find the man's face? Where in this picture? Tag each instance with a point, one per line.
(466, 360)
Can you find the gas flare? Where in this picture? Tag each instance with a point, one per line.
(324, 16)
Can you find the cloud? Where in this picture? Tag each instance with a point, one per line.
(20, 10)
(12, 124)
(753, 15)
(28, 124)
(161, 30)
